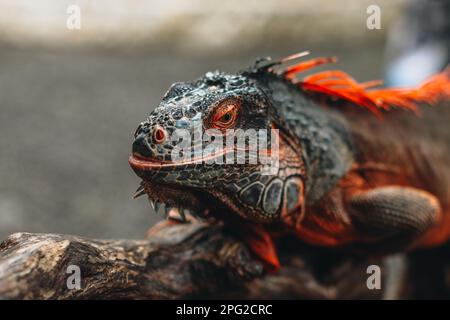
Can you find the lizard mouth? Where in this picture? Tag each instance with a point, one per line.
(175, 201)
(141, 163)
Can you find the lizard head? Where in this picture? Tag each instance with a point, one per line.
(196, 151)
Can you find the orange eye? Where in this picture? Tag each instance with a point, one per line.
(225, 115)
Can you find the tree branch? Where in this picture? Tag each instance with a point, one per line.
(191, 260)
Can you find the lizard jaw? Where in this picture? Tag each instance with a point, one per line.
(182, 203)
(187, 200)
(141, 163)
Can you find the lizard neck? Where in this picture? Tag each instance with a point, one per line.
(323, 140)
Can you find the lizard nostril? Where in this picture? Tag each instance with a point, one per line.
(159, 135)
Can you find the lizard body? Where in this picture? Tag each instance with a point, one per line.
(376, 179)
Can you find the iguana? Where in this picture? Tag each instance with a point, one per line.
(358, 165)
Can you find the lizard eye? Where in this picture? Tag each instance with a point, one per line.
(227, 117)
(225, 114)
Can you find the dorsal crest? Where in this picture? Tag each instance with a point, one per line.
(332, 85)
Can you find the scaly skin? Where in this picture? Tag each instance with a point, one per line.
(332, 155)
(366, 152)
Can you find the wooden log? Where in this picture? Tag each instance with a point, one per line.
(191, 260)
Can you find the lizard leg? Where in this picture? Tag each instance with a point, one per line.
(395, 216)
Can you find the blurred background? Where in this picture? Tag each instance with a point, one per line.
(70, 100)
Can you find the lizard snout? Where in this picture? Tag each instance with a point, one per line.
(152, 142)
(141, 146)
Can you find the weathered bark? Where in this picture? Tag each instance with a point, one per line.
(193, 260)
